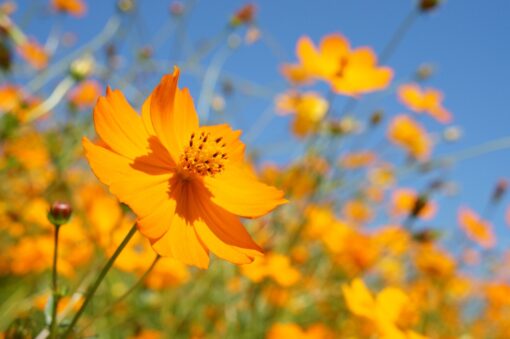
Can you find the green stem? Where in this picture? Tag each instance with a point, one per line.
(126, 294)
(92, 289)
(54, 286)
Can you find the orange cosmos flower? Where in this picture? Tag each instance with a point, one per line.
(187, 184)
(85, 94)
(428, 100)
(407, 133)
(359, 159)
(296, 74)
(309, 109)
(477, 229)
(350, 72)
(73, 7)
(33, 53)
(403, 201)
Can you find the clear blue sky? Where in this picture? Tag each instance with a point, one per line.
(468, 42)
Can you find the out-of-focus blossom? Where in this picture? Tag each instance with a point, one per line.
(275, 266)
(427, 100)
(85, 94)
(244, 16)
(410, 135)
(387, 310)
(74, 7)
(477, 229)
(357, 211)
(358, 159)
(434, 261)
(33, 53)
(404, 201)
(296, 74)
(349, 72)
(294, 331)
(147, 334)
(309, 109)
(29, 149)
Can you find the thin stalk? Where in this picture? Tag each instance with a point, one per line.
(92, 289)
(126, 294)
(54, 286)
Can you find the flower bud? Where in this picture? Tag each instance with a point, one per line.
(60, 213)
(426, 236)
(419, 205)
(82, 67)
(429, 5)
(424, 71)
(125, 5)
(177, 8)
(243, 16)
(376, 118)
(499, 190)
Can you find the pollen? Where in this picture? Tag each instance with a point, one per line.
(204, 155)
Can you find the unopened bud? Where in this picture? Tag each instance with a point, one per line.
(426, 236)
(145, 53)
(243, 16)
(452, 134)
(376, 118)
(429, 5)
(419, 204)
(125, 5)
(499, 190)
(425, 71)
(60, 213)
(176, 8)
(81, 68)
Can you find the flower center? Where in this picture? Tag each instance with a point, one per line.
(204, 155)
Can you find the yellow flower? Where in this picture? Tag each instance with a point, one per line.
(309, 109)
(408, 134)
(187, 184)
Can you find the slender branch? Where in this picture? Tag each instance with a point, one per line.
(54, 285)
(92, 289)
(138, 283)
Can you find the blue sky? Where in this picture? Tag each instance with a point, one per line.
(467, 42)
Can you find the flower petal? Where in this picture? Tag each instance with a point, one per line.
(142, 186)
(118, 125)
(173, 114)
(181, 242)
(239, 192)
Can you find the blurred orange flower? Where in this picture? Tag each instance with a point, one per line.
(187, 184)
(477, 229)
(358, 159)
(357, 211)
(407, 133)
(85, 94)
(428, 100)
(309, 109)
(403, 201)
(296, 74)
(349, 72)
(10, 98)
(33, 53)
(386, 310)
(294, 331)
(275, 266)
(73, 7)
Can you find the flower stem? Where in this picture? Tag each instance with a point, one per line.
(92, 289)
(126, 294)
(54, 286)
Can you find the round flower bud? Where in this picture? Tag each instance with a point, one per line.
(428, 5)
(60, 213)
(82, 67)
